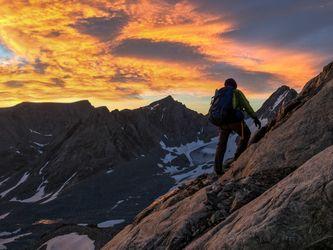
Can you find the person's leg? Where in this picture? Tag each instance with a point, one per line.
(220, 150)
(244, 132)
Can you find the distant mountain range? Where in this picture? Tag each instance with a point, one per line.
(74, 168)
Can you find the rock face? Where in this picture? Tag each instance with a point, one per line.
(276, 195)
(299, 205)
(280, 98)
(105, 140)
(28, 127)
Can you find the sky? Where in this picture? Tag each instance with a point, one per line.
(128, 53)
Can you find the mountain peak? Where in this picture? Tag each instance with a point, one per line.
(284, 88)
(314, 85)
(165, 102)
(272, 105)
(167, 99)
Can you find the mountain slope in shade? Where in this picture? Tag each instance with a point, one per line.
(28, 128)
(245, 209)
(91, 171)
(104, 166)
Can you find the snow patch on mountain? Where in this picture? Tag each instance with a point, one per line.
(9, 233)
(2, 216)
(22, 180)
(4, 241)
(69, 242)
(38, 196)
(154, 107)
(39, 133)
(117, 204)
(168, 158)
(110, 223)
(3, 181)
(55, 195)
(186, 149)
(202, 169)
(279, 100)
(200, 155)
(40, 144)
(110, 171)
(44, 166)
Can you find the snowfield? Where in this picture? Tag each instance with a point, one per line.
(202, 169)
(200, 155)
(186, 149)
(110, 223)
(70, 242)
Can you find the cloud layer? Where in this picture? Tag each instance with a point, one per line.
(158, 50)
(111, 51)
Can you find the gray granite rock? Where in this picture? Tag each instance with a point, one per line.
(257, 203)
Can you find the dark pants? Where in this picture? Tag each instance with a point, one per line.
(242, 130)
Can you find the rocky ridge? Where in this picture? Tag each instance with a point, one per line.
(100, 164)
(276, 194)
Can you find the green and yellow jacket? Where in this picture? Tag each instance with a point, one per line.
(239, 101)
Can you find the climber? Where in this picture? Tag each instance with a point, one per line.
(226, 113)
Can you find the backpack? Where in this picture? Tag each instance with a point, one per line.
(221, 110)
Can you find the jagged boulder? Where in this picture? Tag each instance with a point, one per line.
(297, 213)
(303, 132)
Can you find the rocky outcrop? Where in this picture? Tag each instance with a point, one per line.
(280, 98)
(310, 89)
(296, 213)
(232, 211)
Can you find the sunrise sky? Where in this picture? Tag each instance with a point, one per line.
(127, 53)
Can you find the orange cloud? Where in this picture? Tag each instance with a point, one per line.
(63, 51)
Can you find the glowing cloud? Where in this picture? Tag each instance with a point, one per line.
(111, 51)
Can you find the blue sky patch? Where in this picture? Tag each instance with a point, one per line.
(5, 53)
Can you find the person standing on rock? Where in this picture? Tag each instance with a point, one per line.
(226, 112)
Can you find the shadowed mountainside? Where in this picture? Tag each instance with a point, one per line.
(76, 168)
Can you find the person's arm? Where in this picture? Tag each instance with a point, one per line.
(244, 104)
